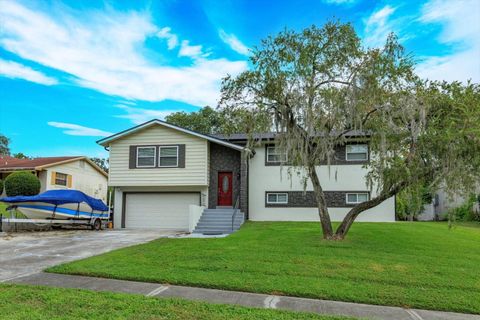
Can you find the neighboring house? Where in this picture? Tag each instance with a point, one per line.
(78, 173)
(159, 171)
(442, 203)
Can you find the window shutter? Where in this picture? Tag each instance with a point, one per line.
(132, 163)
(54, 176)
(69, 181)
(181, 156)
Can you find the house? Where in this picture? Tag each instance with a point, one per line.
(165, 175)
(443, 202)
(78, 173)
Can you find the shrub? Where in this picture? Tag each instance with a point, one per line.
(466, 211)
(22, 183)
(410, 202)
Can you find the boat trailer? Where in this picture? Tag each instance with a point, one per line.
(17, 224)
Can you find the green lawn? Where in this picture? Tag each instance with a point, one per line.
(422, 265)
(3, 211)
(6, 214)
(22, 302)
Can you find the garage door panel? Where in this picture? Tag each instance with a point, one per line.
(159, 210)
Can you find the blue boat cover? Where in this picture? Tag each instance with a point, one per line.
(58, 197)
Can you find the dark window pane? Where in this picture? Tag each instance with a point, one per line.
(168, 152)
(168, 162)
(271, 197)
(145, 162)
(146, 152)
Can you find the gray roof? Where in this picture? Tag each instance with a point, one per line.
(271, 135)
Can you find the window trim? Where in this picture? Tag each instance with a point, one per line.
(356, 193)
(159, 156)
(154, 157)
(347, 153)
(277, 193)
(276, 153)
(66, 179)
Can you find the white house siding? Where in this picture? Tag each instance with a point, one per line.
(84, 178)
(194, 173)
(42, 176)
(337, 178)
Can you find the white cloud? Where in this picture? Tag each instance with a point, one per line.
(186, 50)
(14, 70)
(172, 39)
(77, 130)
(140, 115)
(233, 42)
(378, 27)
(460, 21)
(104, 52)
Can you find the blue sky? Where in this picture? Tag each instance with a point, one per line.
(72, 72)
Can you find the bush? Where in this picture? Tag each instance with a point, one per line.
(410, 202)
(1, 186)
(22, 183)
(466, 211)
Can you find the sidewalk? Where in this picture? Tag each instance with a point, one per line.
(240, 298)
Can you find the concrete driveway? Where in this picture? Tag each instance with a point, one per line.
(27, 253)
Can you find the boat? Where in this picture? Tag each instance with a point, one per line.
(60, 205)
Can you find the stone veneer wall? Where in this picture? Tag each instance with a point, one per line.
(224, 159)
(300, 199)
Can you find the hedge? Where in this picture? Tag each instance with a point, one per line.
(22, 183)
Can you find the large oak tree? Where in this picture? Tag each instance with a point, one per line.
(321, 86)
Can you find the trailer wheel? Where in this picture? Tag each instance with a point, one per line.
(97, 225)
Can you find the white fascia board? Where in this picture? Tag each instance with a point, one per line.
(106, 141)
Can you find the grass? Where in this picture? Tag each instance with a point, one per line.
(6, 214)
(3, 209)
(421, 265)
(23, 302)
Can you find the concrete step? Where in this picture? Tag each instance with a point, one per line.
(210, 218)
(229, 218)
(220, 213)
(215, 231)
(222, 223)
(219, 221)
(219, 225)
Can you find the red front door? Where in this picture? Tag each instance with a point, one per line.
(224, 188)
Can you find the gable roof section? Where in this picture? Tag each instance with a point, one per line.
(105, 141)
(31, 164)
(13, 164)
(7, 159)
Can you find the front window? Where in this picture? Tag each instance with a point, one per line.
(357, 152)
(354, 198)
(60, 179)
(168, 156)
(146, 157)
(274, 155)
(278, 198)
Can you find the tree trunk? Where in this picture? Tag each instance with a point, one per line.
(325, 222)
(347, 222)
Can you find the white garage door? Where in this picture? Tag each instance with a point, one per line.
(159, 210)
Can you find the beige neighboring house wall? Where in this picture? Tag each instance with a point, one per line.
(83, 177)
(196, 155)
